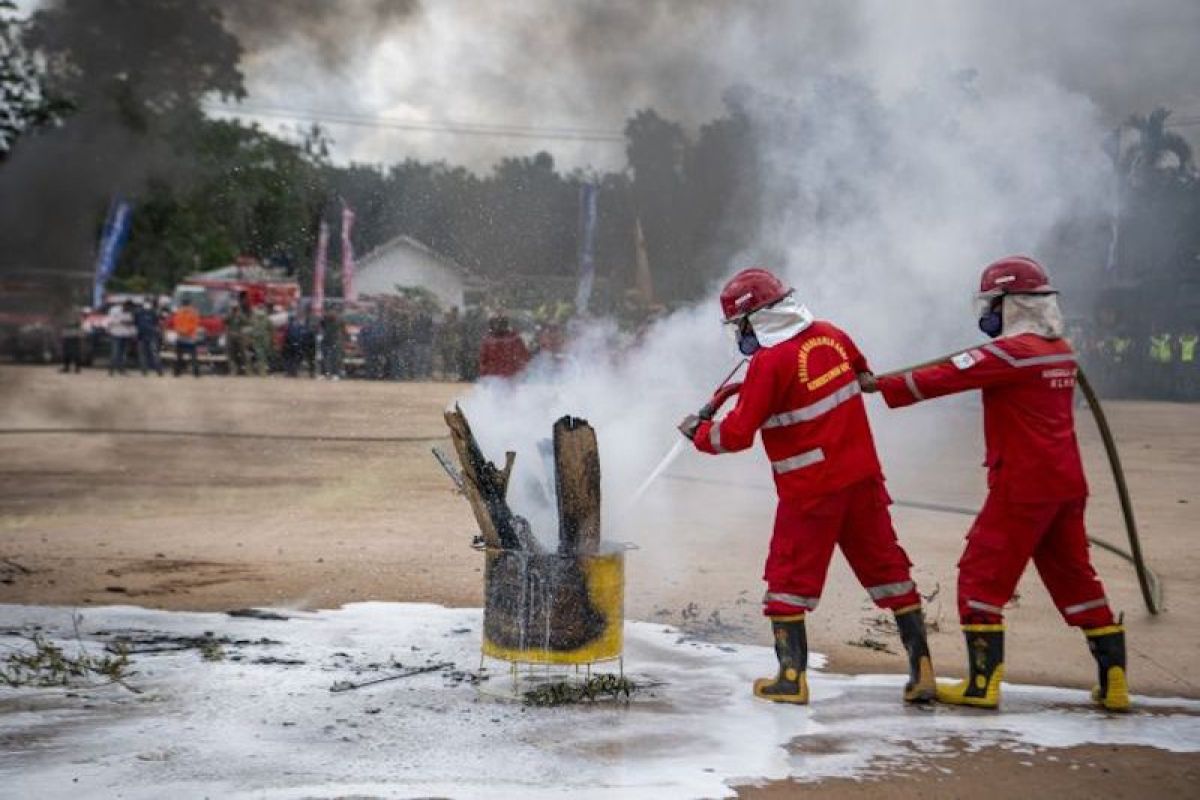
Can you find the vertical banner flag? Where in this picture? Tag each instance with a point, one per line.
(318, 295)
(643, 280)
(112, 238)
(587, 245)
(1112, 146)
(348, 292)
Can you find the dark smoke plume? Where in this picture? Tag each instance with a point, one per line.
(137, 72)
(334, 31)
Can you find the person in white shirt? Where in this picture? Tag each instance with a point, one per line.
(120, 335)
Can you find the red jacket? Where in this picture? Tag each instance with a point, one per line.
(804, 395)
(1028, 388)
(502, 355)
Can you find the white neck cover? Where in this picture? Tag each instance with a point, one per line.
(1032, 313)
(780, 322)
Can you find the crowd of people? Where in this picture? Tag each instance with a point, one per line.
(392, 338)
(1160, 366)
(403, 338)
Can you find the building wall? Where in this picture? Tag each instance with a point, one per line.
(408, 267)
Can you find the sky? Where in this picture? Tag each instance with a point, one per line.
(590, 65)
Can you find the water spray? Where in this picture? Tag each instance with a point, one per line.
(722, 393)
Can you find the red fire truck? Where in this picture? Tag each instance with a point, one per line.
(213, 294)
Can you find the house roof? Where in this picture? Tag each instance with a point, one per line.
(407, 242)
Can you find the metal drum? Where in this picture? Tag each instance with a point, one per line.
(554, 609)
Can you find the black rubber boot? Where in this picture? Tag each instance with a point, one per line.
(921, 686)
(791, 648)
(1108, 648)
(985, 659)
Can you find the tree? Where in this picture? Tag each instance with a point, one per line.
(656, 151)
(244, 192)
(1156, 148)
(24, 105)
(136, 62)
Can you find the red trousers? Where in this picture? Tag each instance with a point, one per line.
(1001, 542)
(855, 518)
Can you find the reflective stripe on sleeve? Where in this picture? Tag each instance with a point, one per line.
(714, 437)
(1032, 361)
(981, 606)
(911, 383)
(809, 603)
(890, 589)
(1088, 606)
(813, 410)
(805, 459)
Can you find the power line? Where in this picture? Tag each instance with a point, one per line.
(459, 128)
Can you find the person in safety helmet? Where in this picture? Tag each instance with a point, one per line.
(1036, 486)
(802, 391)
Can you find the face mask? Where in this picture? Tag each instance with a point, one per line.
(747, 342)
(992, 321)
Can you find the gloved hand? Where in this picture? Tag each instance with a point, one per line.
(867, 382)
(689, 426)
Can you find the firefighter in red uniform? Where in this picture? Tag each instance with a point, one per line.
(802, 391)
(1036, 485)
(502, 353)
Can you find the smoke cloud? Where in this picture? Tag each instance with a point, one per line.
(887, 187)
(592, 63)
(334, 32)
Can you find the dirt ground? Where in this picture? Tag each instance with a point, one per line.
(995, 773)
(222, 493)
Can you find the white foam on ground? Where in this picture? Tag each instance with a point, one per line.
(225, 729)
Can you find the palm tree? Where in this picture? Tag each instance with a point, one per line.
(1157, 149)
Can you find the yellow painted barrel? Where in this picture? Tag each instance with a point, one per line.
(553, 609)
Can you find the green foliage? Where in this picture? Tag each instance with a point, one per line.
(212, 650)
(24, 104)
(47, 664)
(1158, 244)
(239, 190)
(143, 61)
(597, 687)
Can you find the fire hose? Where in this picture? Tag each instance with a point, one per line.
(1151, 586)
(1148, 581)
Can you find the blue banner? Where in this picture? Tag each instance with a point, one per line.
(587, 245)
(116, 229)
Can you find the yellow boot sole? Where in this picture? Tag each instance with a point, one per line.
(799, 698)
(956, 695)
(1117, 698)
(925, 689)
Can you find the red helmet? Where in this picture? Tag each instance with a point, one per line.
(1015, 275)
(750, 290)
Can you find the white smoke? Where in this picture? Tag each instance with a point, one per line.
(593, 63)
(888, 187)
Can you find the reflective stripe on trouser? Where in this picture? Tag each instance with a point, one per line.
(857, 520)
(793, 600)
(1005, 537)
(891, 590)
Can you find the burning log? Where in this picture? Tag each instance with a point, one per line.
(547, 607)
(486, 486)
(577, 484)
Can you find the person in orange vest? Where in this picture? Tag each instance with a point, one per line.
(1037, 490)
(186, 324)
